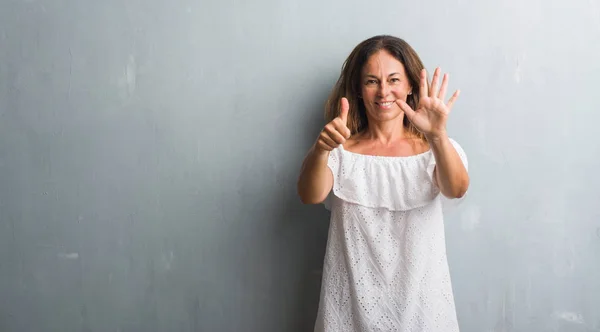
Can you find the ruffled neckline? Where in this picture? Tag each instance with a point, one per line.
(388, 158)
(397, 183)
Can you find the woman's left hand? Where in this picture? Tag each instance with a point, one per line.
(431, 113)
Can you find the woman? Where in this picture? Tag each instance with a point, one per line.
(383, 165)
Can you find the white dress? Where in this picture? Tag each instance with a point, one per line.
(385, 266)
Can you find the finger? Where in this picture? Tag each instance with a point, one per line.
(342, 128)
(327, 140)
(424, 91)
(453, 99)
(410, 113)
(323, 146)
(344, 107)
(434, 82)
(334, 135)
(442, 94)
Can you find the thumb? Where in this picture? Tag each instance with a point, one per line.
(408, 111)
(345, 106)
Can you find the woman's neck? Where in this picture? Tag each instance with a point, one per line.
(386, 133)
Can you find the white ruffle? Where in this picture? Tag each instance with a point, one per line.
(393, 183)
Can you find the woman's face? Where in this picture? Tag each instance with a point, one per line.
(383, 81)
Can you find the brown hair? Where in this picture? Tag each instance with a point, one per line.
(348, 84)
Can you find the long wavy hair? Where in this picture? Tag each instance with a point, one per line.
(348, 84)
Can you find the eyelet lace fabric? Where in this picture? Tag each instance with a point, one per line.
(385, 266)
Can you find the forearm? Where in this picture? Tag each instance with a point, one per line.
(315, 180)
(450, 173)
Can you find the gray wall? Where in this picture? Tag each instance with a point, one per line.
(149, 152)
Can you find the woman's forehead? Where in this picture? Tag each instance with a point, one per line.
(383, 64)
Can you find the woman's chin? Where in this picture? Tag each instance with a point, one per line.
(386, 115)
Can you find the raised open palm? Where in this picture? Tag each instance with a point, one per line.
(432, 113)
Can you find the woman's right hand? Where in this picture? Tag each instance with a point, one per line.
(316, 179)
(335, 132)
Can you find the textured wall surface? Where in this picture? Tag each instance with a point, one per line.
(149, 153)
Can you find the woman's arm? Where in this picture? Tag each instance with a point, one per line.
(315, 180)
(430, 117)
(450, 174)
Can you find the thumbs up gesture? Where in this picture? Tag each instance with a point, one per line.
(335, 132)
